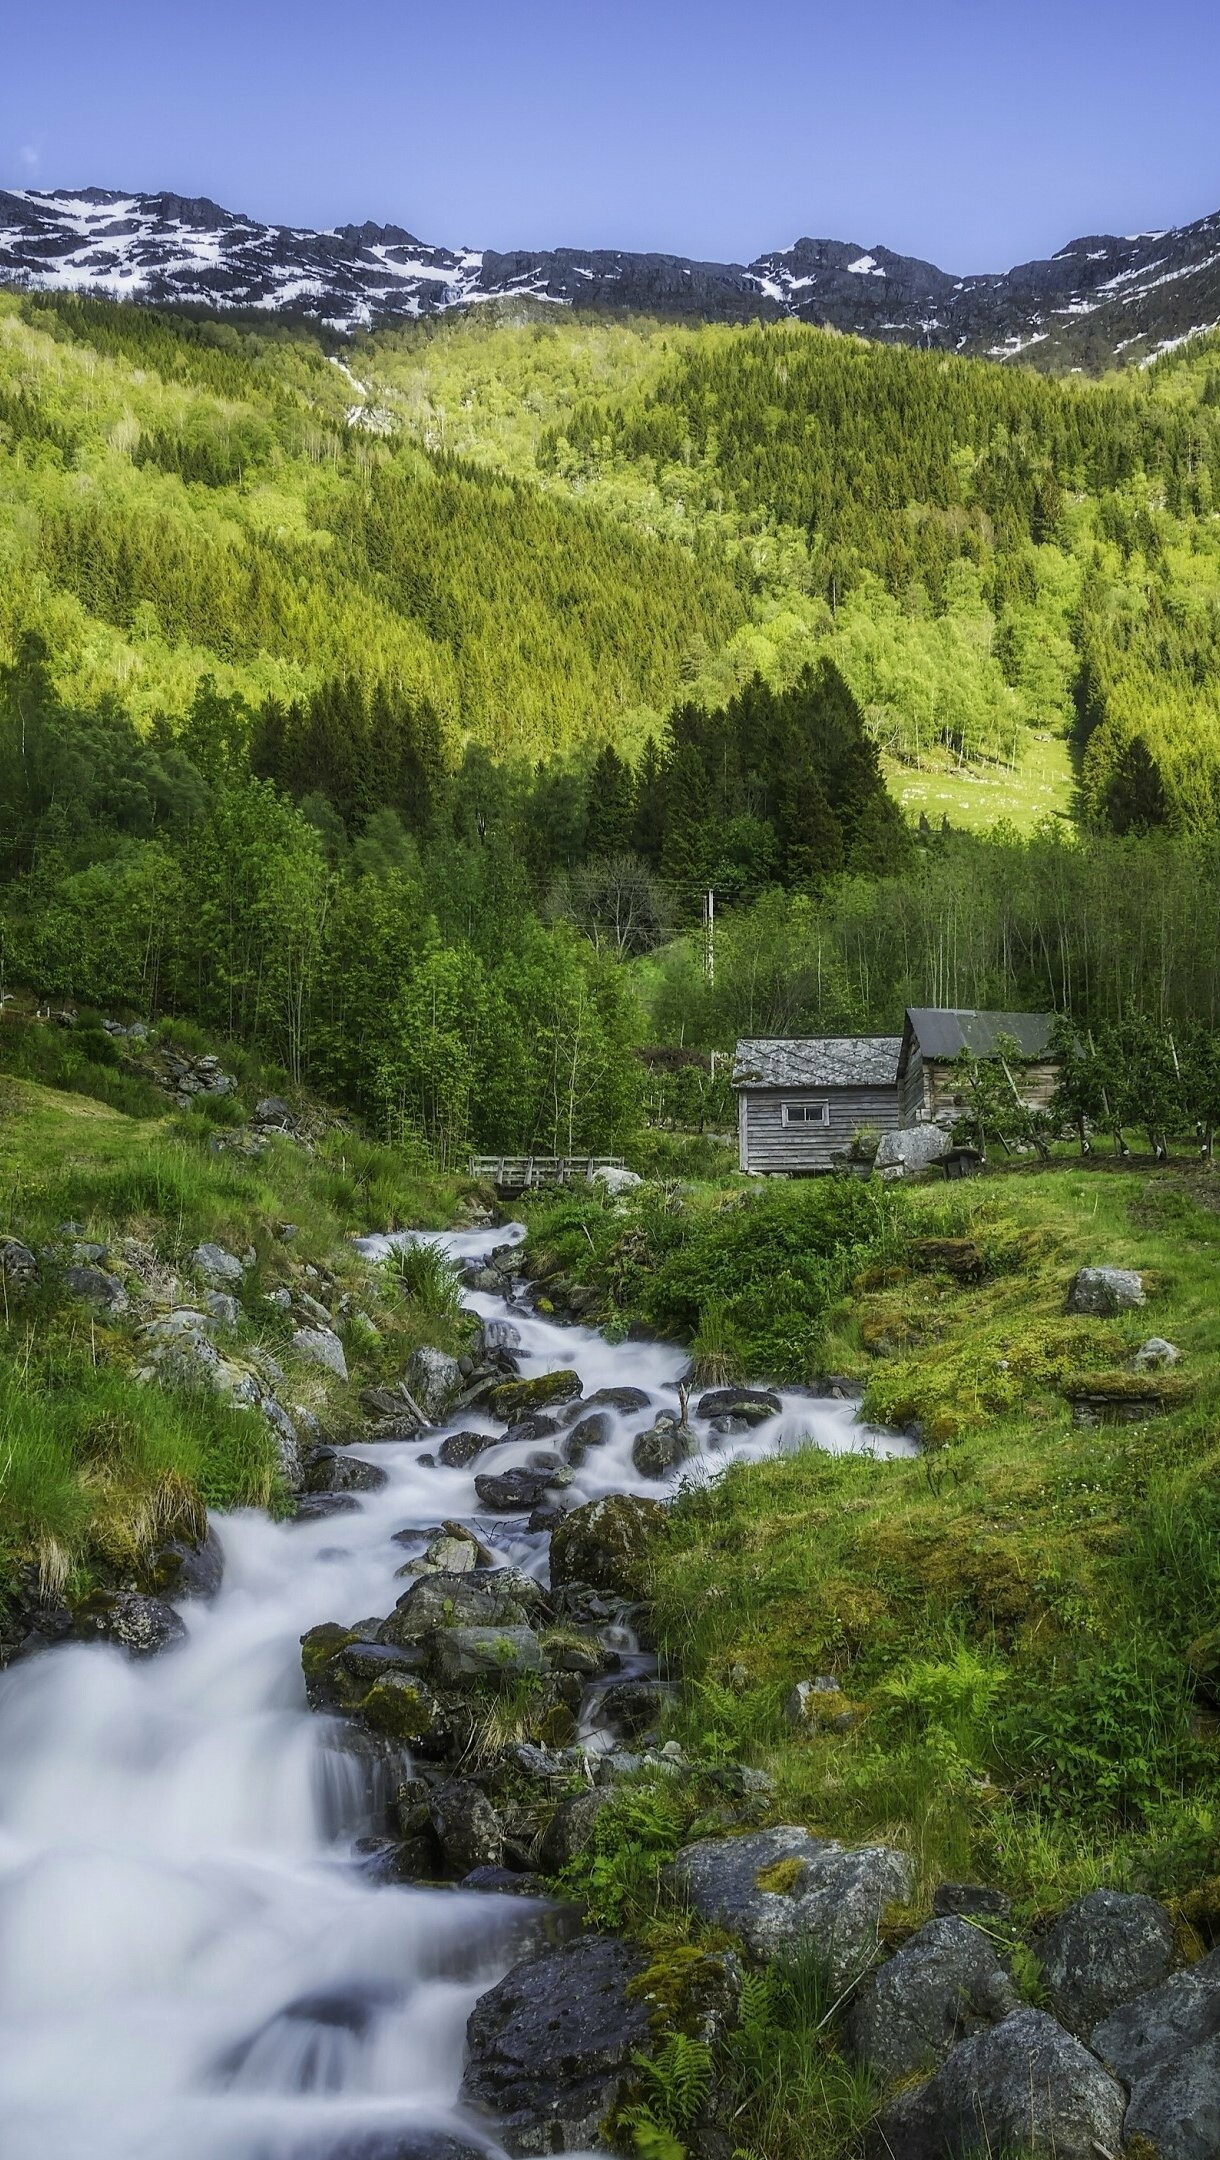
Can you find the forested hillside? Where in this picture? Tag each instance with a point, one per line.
(376, 703)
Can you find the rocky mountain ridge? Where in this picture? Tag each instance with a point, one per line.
(1101, 300)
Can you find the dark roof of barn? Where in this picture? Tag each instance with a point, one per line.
(944, 1033)
(820, 1061)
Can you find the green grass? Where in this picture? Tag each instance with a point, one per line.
(976, 797)
(95, 1465)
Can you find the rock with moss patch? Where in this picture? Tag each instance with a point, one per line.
(516, 1399)
(752, 1405)
(498, 1655)
(608, 1544)
(184, 1567)
(659, 1450)
(493, 1598)
(458, 1450)
(783, 1889)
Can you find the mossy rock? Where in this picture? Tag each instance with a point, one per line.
(688, 1989)
(404, 1709)
(1199, 1910)
(515, 1399)
(608, 1544)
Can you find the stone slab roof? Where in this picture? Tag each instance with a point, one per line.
(819, 1061)
(946, 1032)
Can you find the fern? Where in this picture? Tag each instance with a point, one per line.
(675, 2083)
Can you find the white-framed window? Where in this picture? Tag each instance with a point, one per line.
(806, 1113)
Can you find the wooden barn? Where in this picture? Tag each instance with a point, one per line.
(929, 1081)
(799, 1103)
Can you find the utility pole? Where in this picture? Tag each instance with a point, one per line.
(709, 936)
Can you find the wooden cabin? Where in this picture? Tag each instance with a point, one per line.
(800, 1103)
(929, 1080)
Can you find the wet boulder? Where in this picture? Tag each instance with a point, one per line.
(458, 1450)
(551, 2049)
(659, 1450)
(607, 1544)
(1102, 1950)
(1165, 2045)
(405, 1709)
(390, 1407)
(783, 1889)
(321, 1346)
(590, 1432)
(184, 1567)
(512, 1400)
(1104, 1291)
(943, 1984)
(434, 1380)
(1025, 2086)
(333, 1470)
(496, 1655)
(626, 1400)
(515, 1492)
(752, 1405)
(497, 1335)
(467, 1827)
(143, 1626)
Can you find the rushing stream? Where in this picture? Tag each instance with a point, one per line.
(193, 1965)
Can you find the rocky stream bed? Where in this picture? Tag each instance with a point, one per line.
(280, 1894)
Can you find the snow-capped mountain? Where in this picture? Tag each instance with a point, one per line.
(1099, 299)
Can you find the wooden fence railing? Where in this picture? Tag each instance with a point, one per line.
(517, 1173)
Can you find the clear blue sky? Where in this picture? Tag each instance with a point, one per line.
(974, 132)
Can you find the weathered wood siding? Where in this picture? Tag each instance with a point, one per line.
(910, 1089)
(944, 1097)
(766, 1143)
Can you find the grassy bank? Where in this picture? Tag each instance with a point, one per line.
(96, 1464)
(1003, 1627)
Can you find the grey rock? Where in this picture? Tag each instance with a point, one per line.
(615, 1182)
(273, 1110)
(93, 1286)
(915, 1148)
(551, 2048)
(1026, 2086)
(606, 1544)
(312, 1308)
(467, 1826)
(659, 1450)
(570, 1829)
(333, 1470)
(214, 1266)
(944, 1983)
(322, 1347)
(1105, 1290)
(813, 1702)
(496, 1654)
(434, 1380)
(591, 1432)
(141, 1625)
(830, 1900)
(222, 1308)
(1177, 2106)
(18, 1265)
(460, 1600)
(1102, 1950)
(1165, 2045)
(626, 1400)
(515, 1492)
(458, 1450)
(88, 1255)
(181, 1568)
(753, 1405)
(1155, 1353)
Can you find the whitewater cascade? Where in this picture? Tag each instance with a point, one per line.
(193, 1963)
